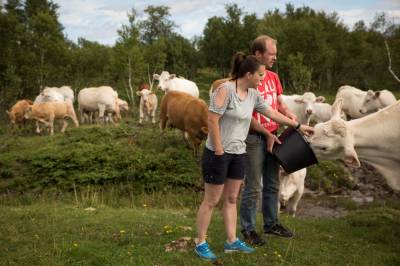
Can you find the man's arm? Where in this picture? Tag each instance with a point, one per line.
(283, 109)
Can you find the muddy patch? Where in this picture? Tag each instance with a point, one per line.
(319, 207)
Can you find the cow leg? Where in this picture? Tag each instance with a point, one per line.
(51, 124)
(141, 114)
(65, 124)
(102, 109)
(153, 116)
(110, 119)
(293, 202)
(37, 127)
(83, 115)
(163, 123)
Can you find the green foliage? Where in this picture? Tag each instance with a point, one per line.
(100, 155)
(300, 75)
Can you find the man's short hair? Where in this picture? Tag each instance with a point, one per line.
(259, 44)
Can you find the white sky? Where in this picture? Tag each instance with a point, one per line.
(98, 20)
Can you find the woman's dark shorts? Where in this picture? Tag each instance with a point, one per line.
(216, 168)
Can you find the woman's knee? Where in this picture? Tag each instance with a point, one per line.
(210, 203)
(231, 199)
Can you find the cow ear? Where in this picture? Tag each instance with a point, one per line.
(377, 94)
(370, 93)
(138, 93)
(7, 112)
(204, 130)
(172, 76)
(351, 158)
(337, 108)
(320, 99)
(299, 100)
(156, 77)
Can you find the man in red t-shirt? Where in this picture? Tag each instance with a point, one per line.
(262, 165)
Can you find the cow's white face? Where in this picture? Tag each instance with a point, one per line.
(308, 100)
(371, 103)
(164, 80)
(328, 140)
(123, 105)
(144, 94)
(334, 140)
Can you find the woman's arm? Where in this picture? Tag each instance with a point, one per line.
(281, 119)
(214, 132)
(271, 138)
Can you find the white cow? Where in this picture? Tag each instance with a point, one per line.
(373, 139)
(374, 101)
(302, 105)
(168, 82)
(148, 105)
(322, 112)
(49, 96)
(291, 189)
(103, 100)
(65, 91)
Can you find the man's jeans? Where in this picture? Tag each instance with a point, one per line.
(261, 165)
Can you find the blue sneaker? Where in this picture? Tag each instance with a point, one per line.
(205, 252)
(238, 246)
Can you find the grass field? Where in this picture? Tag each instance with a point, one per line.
(48, 231)
(45, 221)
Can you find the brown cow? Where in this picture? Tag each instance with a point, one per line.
(17, 112)
(187, 113)
(144, 86)
(49, 111)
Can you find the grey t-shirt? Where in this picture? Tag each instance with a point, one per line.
(236, 117)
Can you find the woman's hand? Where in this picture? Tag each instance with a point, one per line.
(306, 130)
(219, 152)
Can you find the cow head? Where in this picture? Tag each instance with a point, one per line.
(371, 102)
(334, 139)
(307, 100)
(123, 105)
(164, 80)
(144, 94)
(28, 112)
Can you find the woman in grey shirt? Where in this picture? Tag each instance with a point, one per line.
(224, 157)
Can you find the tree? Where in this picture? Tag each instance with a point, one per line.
(128, 65)
(157, 25)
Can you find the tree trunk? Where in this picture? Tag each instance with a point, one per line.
(390, 61)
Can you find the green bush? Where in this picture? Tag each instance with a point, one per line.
(101, 155)
(328, 176)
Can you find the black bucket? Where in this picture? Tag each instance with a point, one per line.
(295, 152)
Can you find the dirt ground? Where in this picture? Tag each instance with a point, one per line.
(370, 187)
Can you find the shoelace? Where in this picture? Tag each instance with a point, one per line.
(204, 248)
(241, 243)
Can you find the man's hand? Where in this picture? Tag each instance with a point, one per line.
(271, 139)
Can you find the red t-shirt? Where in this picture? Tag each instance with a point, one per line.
(270, 88)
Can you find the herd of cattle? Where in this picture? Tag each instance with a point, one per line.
(359, 126)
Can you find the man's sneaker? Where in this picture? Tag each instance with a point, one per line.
(205, 252)
(237, 246)
(279, 230)
(252, 238)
